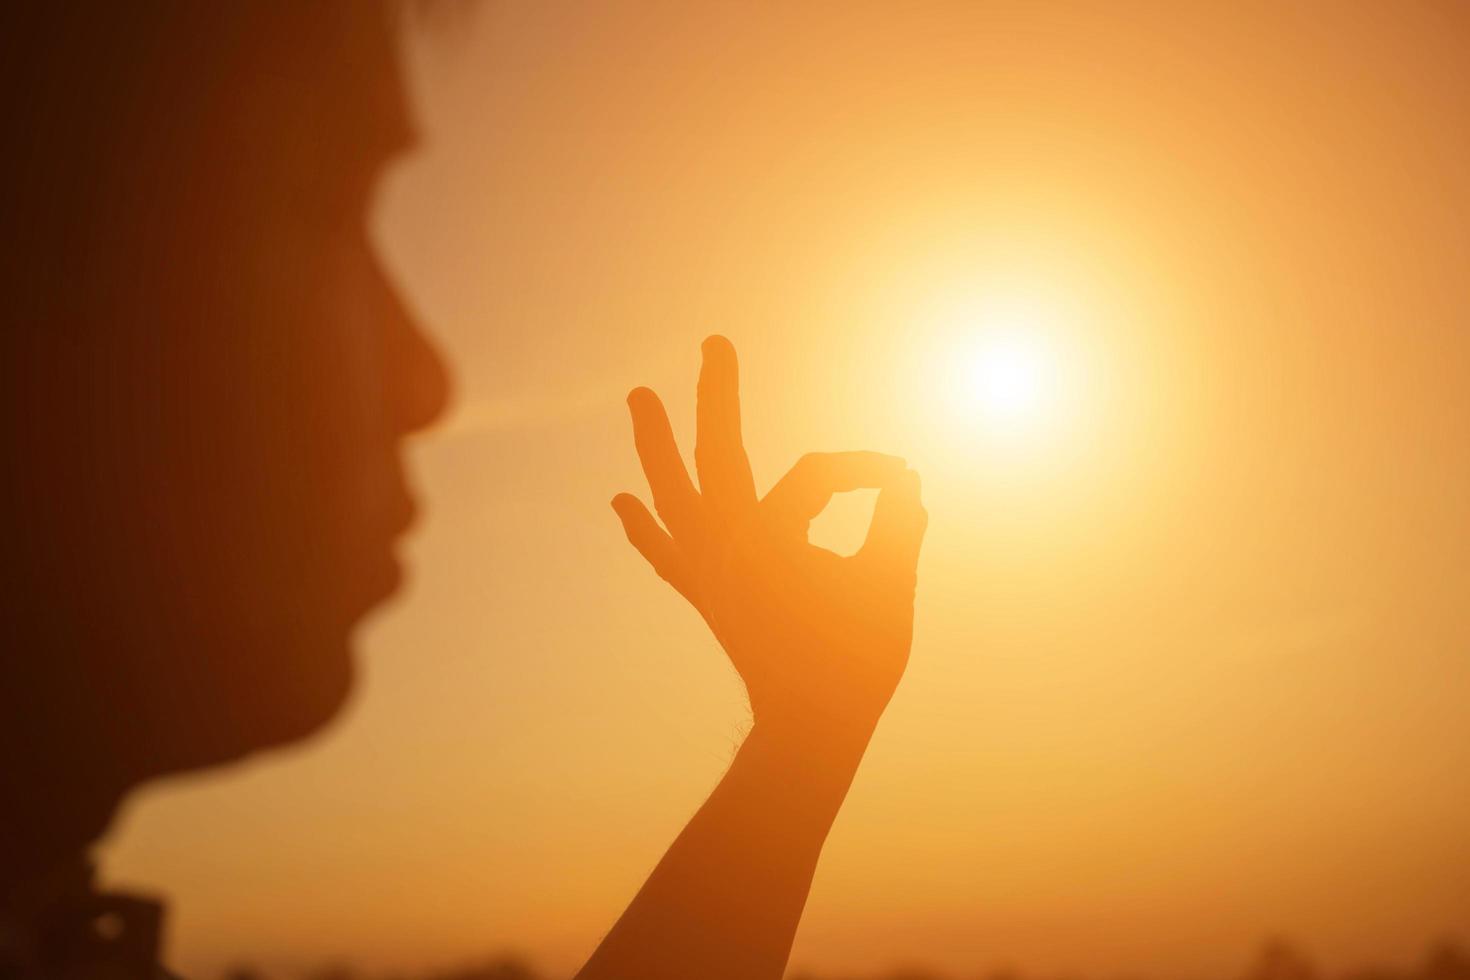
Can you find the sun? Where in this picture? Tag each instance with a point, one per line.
(1003, 373)
(1007, 380)
(1010, 372)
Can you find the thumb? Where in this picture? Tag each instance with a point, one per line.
(897, 531)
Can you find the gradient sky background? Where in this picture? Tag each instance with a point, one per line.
(1192, 662)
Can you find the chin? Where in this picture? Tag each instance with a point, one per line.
(305, 701)
(308, 709)
(296, 680)
(261, 678)
(279, 697)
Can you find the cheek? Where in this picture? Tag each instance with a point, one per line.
(281, 459)
(357, 438)
(351, 318)
(333, 369)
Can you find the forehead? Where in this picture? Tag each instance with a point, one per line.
(324, 74)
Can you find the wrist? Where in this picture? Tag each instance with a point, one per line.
(806, 771)
(825, 717)
(811, 739)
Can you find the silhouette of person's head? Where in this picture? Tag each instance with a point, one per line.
(206, 376)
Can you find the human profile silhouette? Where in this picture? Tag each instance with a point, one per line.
(207, 377)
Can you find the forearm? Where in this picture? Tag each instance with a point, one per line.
(725, 901)
(820, 641)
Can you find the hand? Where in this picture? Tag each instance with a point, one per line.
(820, 640)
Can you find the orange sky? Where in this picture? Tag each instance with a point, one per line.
(1192, 668)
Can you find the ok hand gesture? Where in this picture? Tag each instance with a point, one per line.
(819, 639)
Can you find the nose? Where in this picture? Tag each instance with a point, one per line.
(417, 377)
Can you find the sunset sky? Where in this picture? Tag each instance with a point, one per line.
(1192, 653)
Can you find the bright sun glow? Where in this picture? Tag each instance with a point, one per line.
(1007, 380)
(1002, 369)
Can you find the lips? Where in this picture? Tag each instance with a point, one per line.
(377, 578)
(379, 572)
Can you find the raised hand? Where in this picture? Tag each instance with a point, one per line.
(819, 639)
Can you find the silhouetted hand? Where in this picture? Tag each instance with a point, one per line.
(820, 640)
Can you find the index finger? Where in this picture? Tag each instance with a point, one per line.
(807, 487)
(674, 496)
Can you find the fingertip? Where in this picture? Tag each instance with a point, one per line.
(895, 463)
(915, 491)
(909, 500)
(621, 502)
(717, 345)
(640, 396)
